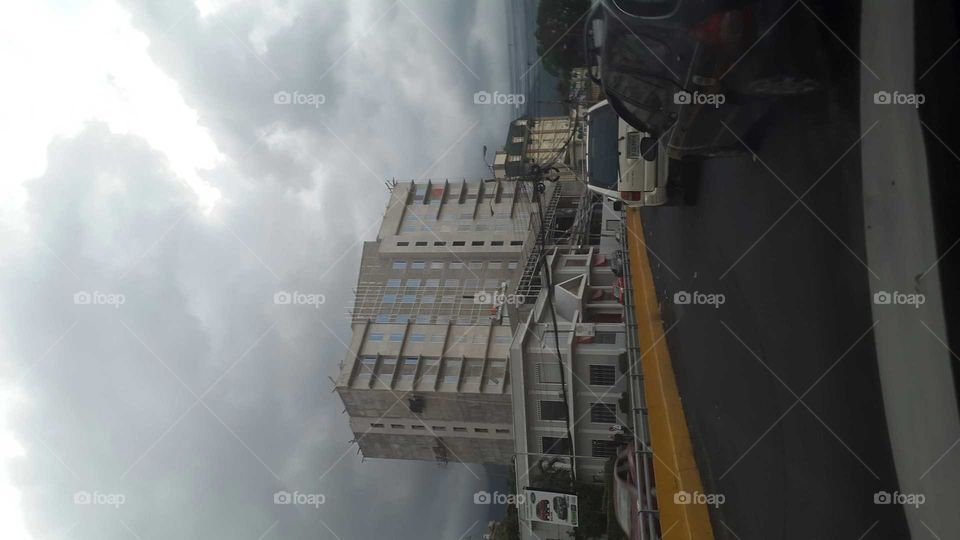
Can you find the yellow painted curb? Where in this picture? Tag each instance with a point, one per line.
(674, 467)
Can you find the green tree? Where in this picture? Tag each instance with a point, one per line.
(560, 34)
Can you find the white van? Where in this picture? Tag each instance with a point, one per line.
(616, 167)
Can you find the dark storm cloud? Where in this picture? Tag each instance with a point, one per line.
(197, 397)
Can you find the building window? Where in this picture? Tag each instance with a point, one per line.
(460, 429)
(603, 375)
(418, 265)
(399, 265)
(436, 265)
(396, 337)
(491, 283)
(417, 338)
(418, 426)
(439, 428)
(423, 319)
(548, 373)
(452, 283)
(427, 299)
(602, 413)
(432, 283)
(475, 265)
(501, 340)
(459, 243)
(481, 430)
(403, 244)
(456, 266)
(472, 369)
(383, 319)
(512, 265)
(393, 283)
(464, 228)
(477, 243)
(503, 430)
(413, 283)
(439, 244)
(552, 410)
(409, 228)
(471, 283)
(603, 448)
(516, 243)
(450, 373)
(575, 262)
(495, 265)
(421, 244)
(397, 426)
(429, 369)
(389, 298)
(376, 336)
(555, 445)
(513, 158)
(409, 298)
(376, 425)
(436, 338)
(496, 243)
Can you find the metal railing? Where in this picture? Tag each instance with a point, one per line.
(647, 509)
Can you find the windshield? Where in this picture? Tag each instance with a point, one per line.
(602, 161)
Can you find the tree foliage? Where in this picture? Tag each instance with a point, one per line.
(560, 34)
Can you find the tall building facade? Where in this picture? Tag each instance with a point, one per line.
(426, 377)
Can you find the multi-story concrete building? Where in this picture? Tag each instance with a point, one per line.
(569, 378)
(544, 141)
(426, 376)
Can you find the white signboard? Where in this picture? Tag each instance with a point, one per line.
(551, 507)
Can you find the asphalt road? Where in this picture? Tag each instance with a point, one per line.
(780, 383)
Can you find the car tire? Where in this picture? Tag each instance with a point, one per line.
(782, 86)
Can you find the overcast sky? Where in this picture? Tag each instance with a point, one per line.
(156, 196)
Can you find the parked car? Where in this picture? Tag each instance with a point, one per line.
(684, 72)
(616, 166)
(625, 494)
